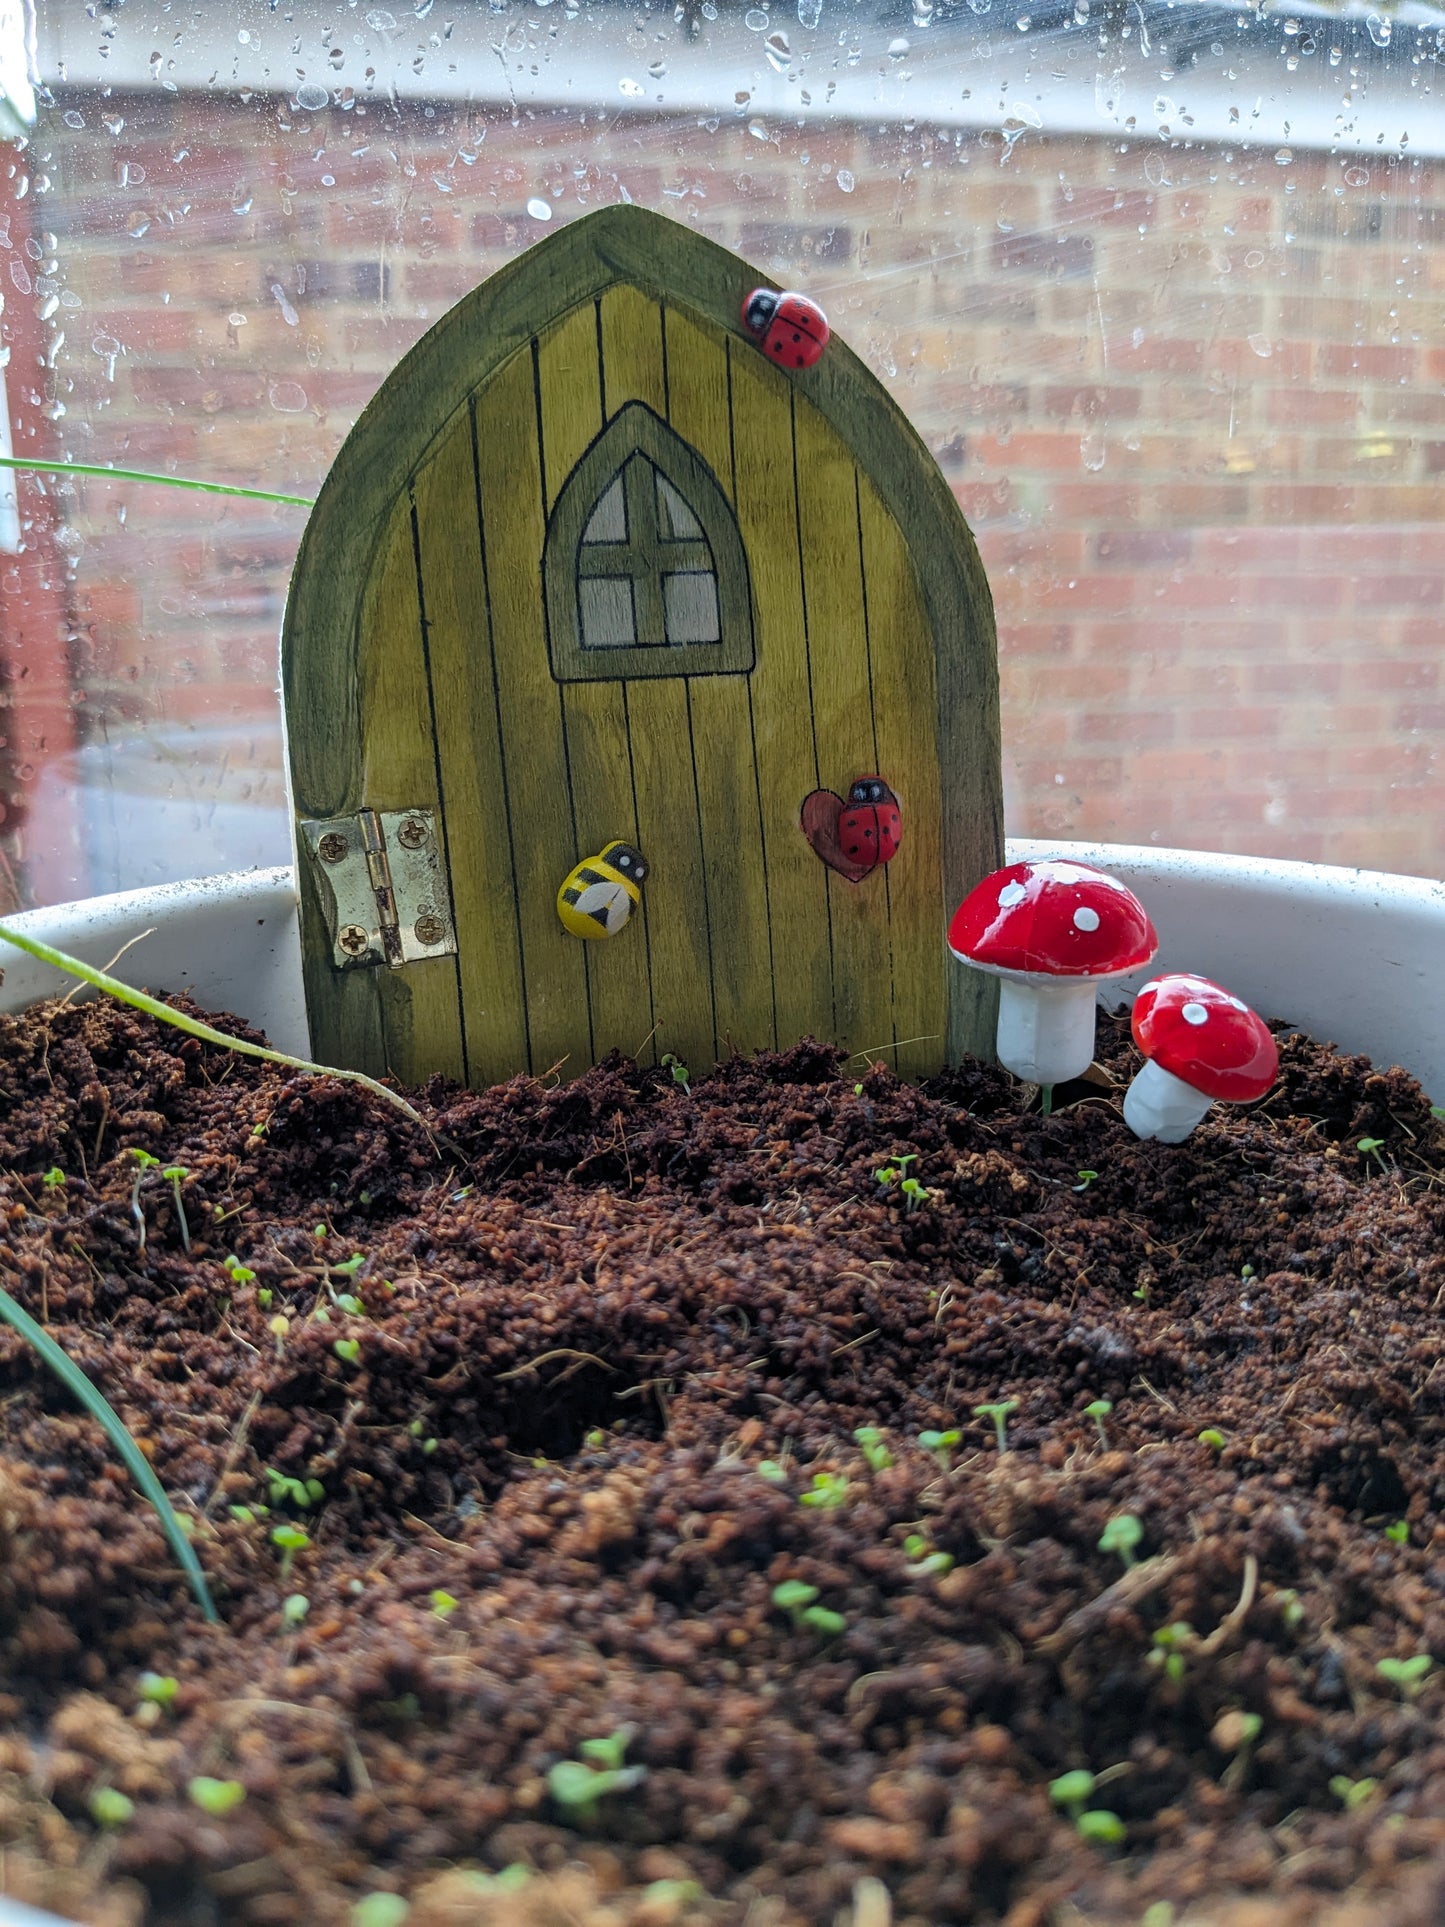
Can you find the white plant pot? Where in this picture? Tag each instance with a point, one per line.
(1354, 957)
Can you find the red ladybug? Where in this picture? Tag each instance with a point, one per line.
(790, 329)
(870, 828)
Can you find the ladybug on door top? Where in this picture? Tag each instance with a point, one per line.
(789, 328)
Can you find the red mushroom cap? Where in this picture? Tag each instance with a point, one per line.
(1209, 1039)
(1052, 918)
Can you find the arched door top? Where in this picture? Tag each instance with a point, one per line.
(645, 571)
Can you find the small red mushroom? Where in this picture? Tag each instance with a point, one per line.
(1052, 931)
(1202, 1044)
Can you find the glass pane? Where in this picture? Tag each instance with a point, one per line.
(674, 517)
(690, 608)
(605, 603)
(1161, 286)
(608, 521)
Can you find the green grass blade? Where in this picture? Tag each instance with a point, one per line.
(75, 1381)
(143, 475)
(153, 1007)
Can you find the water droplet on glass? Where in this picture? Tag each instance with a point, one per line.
(241, 207)
(1357, 177)
(779, 53)
(52, 302)
(244, 36)
(1284, 155)
(1262, 346)
(380, 21)
(114, 126)
(758, 129)
(288, 313)
(138, 229)
(73, 119)
(1291, 26)
(312, 96)
(846, 182)
(107, 347)
(809, 12)
(236, 319)
(897, 48)
(287, 397)
(756, 20)
(154, 63)
(1378, 28)
(539, 209)
(632, 88)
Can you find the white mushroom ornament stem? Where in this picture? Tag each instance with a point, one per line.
(1051, 931)
(1202, 1044)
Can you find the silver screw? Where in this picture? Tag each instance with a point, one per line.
(353, 939)
(333, 846)
(412, 834)
(429, 930)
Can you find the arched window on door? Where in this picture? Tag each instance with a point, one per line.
(644, 566)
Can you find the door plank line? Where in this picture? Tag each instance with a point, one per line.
(873, 725)
(562, 694)
(702, 841)
(812, 711)
(431, 701)
(752, 720)
(632, 783)
(501, 736)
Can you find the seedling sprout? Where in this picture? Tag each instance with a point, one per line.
(942, 1445)
(1408, 1675)
(157, 1689)
(1098, 1411)
(1213, 1438)
(176, 1175)
(795, 1597)
(109, 1807)
(1122, 1535)
(680, 1072)
(215, 1797)
(289, 1540)
(53, 1179)
(829, 1490)
(380, 1910)
(144, 1162)
(999, 1413)
(1399, 1532)
(578, 1787)
(1352, 1793)
(869, 1441)
(294, 1608)
(1373, 1147)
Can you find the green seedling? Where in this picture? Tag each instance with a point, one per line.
(1046, 1100)
(1170, 1644)
(1086, 1178)
(240, 1274)
(1291, 1608)
(578, 1786)
(1073, 1791)
(680, 1073)
(1141, 1292)
(595, 1439)
(352, 1266)
(829, 1490)
(999, 1413)
(1100, 1828)
(1098, 1411)
(176, 1175)
(110, 1808)
(915, 1193)
(1407, 1675)
(891, 1173)
(347, 1302)
(1122, 1535)
(795, 1597)
(248, 1514)
(289, 1540)
(285, 1490)
(442, 1604)
(942, 1445)
(215, 1797)
(380, 1910)
(294, 1608)
(858, 1092)
(1159, 1913)
(869, 1441)
(1213, 1438)
(1373, 1147)
(1437, 1110)
(53, 1179)
(1246, 1272)
(348, 1350)
(75, 1382)
(157, 1689)
(1352, 1793)
(925, 1563)
(771, 1472)
(144, 1162)
(1399, 1532)
(278, 1327)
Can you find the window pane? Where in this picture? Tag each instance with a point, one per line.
(606, 606)
(690, 608)
(608, 521)
(674, 517)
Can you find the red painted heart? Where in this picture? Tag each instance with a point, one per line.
(819, 818)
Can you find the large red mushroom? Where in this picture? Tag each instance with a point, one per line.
(1202, 1044)
(1051, 931)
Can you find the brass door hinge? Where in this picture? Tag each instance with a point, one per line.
(384, 887)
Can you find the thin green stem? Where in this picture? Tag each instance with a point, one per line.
(143, 475)
(75, 1380)
(153, 1007)
(1046, 1099)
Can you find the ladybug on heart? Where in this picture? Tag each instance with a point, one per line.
(853, 835)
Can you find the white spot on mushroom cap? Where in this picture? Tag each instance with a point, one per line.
(1085, 918)
(1010, 894)
(1195, 1014)
(1238, 1003)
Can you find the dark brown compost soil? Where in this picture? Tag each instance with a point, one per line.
(558, 1403)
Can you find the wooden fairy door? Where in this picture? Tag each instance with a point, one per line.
(590, 568)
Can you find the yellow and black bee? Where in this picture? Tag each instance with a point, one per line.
(596, 898)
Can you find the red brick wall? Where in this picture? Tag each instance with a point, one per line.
(1192, 403)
